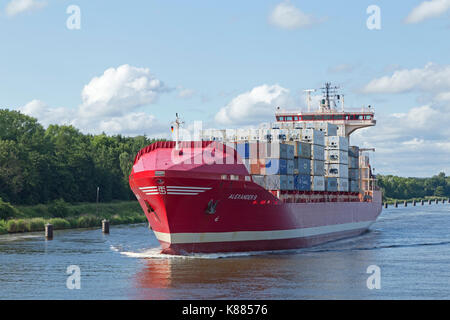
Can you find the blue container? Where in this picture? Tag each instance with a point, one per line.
(303, 166)
(243, 149)
(276, 166)
(302, 182)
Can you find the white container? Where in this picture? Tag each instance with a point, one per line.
(299, 125)
(231, 134)
(317, 152)
(337, 142)
(327, 128)
(242, 134)
(313, 136)
(259, 180)
(253, 135)
(364, 161)
(276, 182)
(317, 183)
(341, 131)
(276, 125)
(295, 135)
(317, 168)
(336, 170)
(343, 185)
(336, 156)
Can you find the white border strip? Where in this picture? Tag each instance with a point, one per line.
(259, 235)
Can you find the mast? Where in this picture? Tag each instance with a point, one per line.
(177, 124)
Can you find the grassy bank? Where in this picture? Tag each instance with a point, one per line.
(68, 216)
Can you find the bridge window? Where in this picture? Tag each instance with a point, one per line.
(318, 117)
(307, 118)
(288, 118)
(368, 117)
(327, 117)
(296, 118)
(339, 117)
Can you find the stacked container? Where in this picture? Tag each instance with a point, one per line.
(316, 139)
(353, 169)
(336, 163)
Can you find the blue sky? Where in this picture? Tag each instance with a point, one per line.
(208, 56)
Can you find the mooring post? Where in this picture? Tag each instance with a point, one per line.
(396, 204)
(436, 201)
(421, 202)
(49, 231)
(414, 203)
(429, 201)
(105, 226)
(386, 205)
(406, 203)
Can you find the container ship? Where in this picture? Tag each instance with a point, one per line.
(291, 184)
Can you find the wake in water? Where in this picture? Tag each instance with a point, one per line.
(155, 253)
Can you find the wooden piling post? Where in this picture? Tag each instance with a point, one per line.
(406, 203)
(386, 205)
(429, 201)
(414, 203)
(421, 202)
(396, 204)
(436, 201)
(105, 226)
(49, 231)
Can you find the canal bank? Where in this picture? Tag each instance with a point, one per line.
(70, 216)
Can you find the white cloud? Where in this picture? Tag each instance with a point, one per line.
(120, 90)
(285, 15)
(414, 143)
(110, 104)
(15, 7)
(254, 106)
(427, 10)
(342, 68)
(46, 114)
(431, 78)
(185, 93)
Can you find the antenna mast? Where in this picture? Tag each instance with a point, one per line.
(329, 93)
(177, 124)
(309, 97)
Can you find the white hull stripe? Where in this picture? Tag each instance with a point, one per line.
(179, 238)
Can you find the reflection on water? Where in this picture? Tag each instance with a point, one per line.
(410, 245)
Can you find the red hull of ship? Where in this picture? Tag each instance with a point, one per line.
(176, 199)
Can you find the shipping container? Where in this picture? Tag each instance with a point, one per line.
(337, 142)
(342, 184)
(331, 184)
(317, 183)
(295, 135)
(277, 150)
(259, 180)
(302, 182)
(290, 167)
(317, 168)
(301, 149)
(336, 170)
(317, 152)
(336, 156)
(327, 128)
(353, 151)
(353, 174)
(313, 136)
(274, 166)
(290, 182)
(353, 163)
(354, 186)
(364, 161)
(303, 166)
(276, 182)
(299, 125)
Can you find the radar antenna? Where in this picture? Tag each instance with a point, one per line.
(177, 124)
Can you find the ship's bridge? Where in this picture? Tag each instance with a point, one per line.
(351, 119)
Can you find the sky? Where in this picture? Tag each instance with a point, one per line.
(126, 67)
